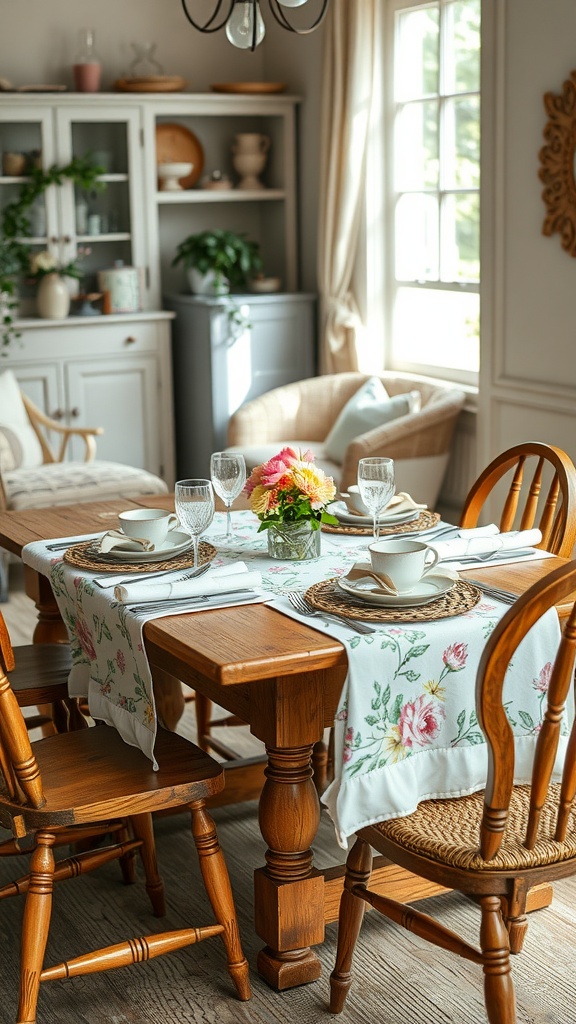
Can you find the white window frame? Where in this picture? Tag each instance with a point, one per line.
(380, 216)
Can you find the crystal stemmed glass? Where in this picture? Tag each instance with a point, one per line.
(228, 473)
(194, 502)
(376, 485)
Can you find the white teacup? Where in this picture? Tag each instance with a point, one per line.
(404, 561)
(151, 524)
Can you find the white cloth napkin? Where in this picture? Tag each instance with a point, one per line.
(115, 540)
(473, 542)
(222, 580)
(401, 502)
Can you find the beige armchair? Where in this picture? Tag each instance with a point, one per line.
(303, 413)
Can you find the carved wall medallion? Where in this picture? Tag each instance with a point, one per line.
(557, 165)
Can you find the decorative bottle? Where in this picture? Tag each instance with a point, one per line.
(87, 68)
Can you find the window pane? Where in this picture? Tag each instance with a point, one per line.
(416, 53)
(437, 328)
(461, 72)
(461, 238)
(416, 147)
(417, 228)
(461, 127)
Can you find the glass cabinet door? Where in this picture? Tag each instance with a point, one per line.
(106, 225)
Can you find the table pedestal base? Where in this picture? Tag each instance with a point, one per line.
(298, 967)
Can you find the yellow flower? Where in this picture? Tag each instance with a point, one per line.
(262, 500)
(314, 484)
(393, 746)
(435, 690)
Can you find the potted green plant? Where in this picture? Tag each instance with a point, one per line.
(218, 260)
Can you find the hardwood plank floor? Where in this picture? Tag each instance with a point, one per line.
(398, 977)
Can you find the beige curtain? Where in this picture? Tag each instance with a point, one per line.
(349, 59)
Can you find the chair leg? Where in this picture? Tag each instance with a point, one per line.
(217, 883)
(358, 869)
(35, 925)
(498, 985)
(203, 711)
(144, 830)
(128, 861)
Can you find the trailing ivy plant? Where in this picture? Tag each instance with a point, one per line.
(15, 228)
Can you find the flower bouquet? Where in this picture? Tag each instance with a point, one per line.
(42, 263)
(289, 494)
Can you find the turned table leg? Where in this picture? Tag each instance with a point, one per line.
(289, 893)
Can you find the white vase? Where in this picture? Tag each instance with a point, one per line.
(250, 151)
(53, 298)
(207, 284)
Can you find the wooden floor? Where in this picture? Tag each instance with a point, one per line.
(399, 979)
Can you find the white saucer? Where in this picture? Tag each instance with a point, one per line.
(176, 542)
(428, 589)
(340, 510)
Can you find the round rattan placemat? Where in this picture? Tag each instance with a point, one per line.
(425, 521)
(78, 556)
(460, 598)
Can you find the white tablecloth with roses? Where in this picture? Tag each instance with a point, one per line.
(406, 727)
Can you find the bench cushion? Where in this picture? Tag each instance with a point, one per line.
(65, 483)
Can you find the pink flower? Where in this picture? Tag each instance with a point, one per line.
(121, 661)
(543, 681)
(85, 638)
(348, 740)
(420, 722)
(455, 656)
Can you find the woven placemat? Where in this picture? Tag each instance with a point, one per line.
(328, 598)
(78, 556)
(425, 521)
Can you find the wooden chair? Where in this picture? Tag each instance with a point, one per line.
(526, 505)
(58, 787)
(495, 844)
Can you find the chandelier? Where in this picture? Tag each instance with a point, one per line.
(244, 23)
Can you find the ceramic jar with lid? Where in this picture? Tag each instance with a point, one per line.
(123, 286)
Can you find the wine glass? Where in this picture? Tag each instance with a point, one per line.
(228, 473)
(194, 501)
(376, 485)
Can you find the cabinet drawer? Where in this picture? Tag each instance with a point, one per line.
(73, 340)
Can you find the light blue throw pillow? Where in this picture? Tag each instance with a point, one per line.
(371, 406)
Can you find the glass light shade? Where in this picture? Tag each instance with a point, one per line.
(292, 3)
(240, 25)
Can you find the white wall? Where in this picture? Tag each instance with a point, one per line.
(38, 41)
(528, 379)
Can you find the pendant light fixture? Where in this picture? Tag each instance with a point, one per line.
(244, 22)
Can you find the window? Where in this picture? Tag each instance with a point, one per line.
(433, 201)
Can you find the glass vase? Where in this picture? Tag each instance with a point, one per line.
(294, 542)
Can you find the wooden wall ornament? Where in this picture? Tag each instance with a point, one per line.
(557, 164)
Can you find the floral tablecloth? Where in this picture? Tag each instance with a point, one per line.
(406, 727)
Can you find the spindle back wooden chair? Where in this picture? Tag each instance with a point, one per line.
(493, 845)
(74, 782)
(526, 505)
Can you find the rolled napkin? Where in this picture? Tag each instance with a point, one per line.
(473, 542)
(115, 540)
(378, 583)
(222, 580)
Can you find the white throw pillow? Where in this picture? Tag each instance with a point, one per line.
(13, 415)
(370, 406)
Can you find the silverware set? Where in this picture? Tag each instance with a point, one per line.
(192, 575)
(303, 607)
(506, 596)
(182, 603)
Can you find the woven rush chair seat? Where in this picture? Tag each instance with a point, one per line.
(446, 831)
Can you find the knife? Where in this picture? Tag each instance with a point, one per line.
(205, 599)
(488, 557)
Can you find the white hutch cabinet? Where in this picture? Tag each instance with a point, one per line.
(115, 371)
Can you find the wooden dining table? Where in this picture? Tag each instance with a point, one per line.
(284, 679)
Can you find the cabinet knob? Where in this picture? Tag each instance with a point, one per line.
(130, 340)
(54, 240)
(75, 412)
(66, 239)
(57, 414)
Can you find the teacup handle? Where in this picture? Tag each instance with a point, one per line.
(173, 522)
(435, 559)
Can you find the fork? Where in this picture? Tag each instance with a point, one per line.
(303, 607)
